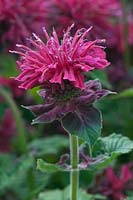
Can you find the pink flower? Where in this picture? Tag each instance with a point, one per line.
(18, 19)
(113, 186)
(130, 22)
(7, 131)
(120, 32)
(99, 14)
(54, 62)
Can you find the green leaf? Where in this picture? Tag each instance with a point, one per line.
(129, 198)
(65, 195)
(12, 173)
(49, 145)
(102, 76)
(124, 94)
(121, 120)
(50, 195)
(5, 163)
(48, 167)
(34, 93)
(85, 123)
(111, 147)
(16, 177)
(117, 144)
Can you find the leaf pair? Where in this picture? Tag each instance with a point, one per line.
(105, 151)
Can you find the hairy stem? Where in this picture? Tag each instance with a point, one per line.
(74, 174)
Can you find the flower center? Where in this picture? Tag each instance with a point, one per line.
(65, 94)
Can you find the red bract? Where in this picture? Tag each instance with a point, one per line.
(7, 130)
(114, 186)
(99, 14)
(54, 62)
(18, 19)
(59, 103)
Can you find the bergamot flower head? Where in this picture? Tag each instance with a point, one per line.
(54, 62)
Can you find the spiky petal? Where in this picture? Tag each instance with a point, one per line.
(55, 62)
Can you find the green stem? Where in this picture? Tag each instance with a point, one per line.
(74, 174)
(31, 183)
(19, 122)
(90, 150)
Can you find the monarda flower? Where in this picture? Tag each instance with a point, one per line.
(58, 68)
(99, 14)
(18, 19)
(53, 62)
(115, 187)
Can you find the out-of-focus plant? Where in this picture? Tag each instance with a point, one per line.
(18, 19)
(101, 15)
(114, 186)
(7, 134)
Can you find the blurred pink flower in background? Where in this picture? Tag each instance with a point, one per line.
(114, 186)
(130, 21)
(19, 18)
(7, 130)
(99, 14)
(54, 62)
(13, 85)
(120, 35)
(118, 75)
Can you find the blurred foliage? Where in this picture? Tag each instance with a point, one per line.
(8, 65)
(51, 145)
(64, 195)
(117, 115)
